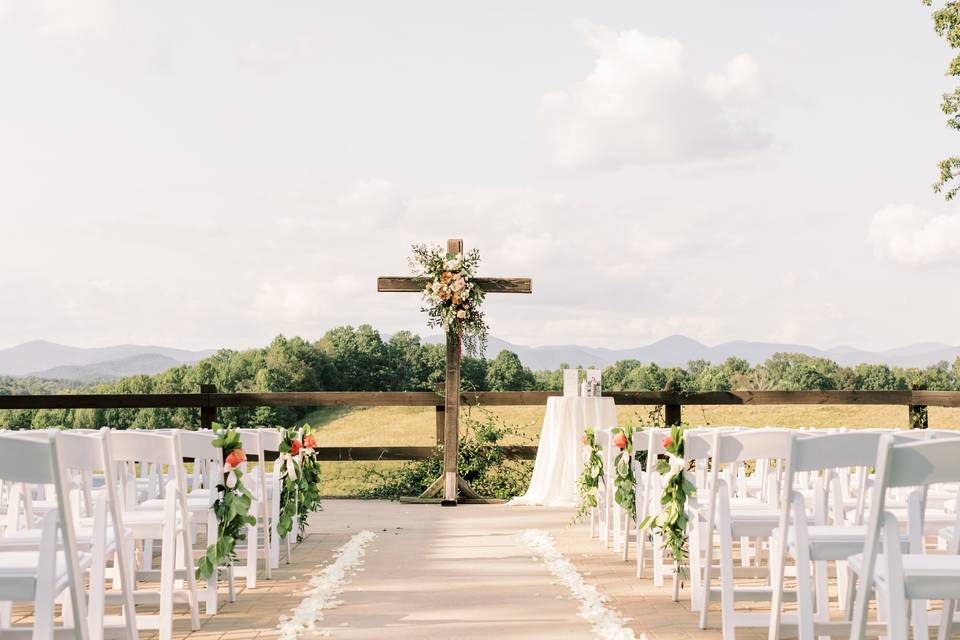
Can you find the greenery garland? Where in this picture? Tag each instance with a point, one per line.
(451, 296)
(232, 506)
(591, 477)
(290, 472)
(671, 522)
(624, 481)
(308, 488)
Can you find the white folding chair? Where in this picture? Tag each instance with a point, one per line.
(746, 519)
(897, 577)
(255, 480)
(208, 472)
(167, 521)
(831, 454)
(41, 575)
(270, 440)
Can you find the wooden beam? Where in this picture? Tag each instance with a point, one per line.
(486, 398)
(409, 284)
(451, 430)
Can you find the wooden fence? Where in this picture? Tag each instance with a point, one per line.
(209, 400)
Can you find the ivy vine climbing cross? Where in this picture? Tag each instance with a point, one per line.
(451, 481)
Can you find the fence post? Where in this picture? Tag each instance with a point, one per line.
(208, 414)
(671, 412)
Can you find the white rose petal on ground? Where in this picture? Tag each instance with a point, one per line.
(324, 587)
(607, 624)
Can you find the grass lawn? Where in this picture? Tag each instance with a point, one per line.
(416, 426)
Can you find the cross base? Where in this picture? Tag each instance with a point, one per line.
(438, 486)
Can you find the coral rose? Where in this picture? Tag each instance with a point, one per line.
(667, 442)
(585, 440)
(236, 458)
(309, 442)
(295, 447)
(620, 441)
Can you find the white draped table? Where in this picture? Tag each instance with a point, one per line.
(559, 456)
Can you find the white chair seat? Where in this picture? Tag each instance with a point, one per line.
(925, 575)
(18, 573)
(196, 504)
(30, 537)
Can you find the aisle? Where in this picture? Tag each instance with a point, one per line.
(450, 573)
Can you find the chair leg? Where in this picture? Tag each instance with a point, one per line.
(252, 556)
(726, 582)
(626, 536)
(822, 591)
(168, 554)
(805, 594)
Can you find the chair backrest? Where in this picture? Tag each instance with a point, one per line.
(199, 445)
(739, 446)
(31, 459)
(270, 439)
(143, 446)
(835, 450)
(914, 464)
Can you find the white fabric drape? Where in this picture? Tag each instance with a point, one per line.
(559, 457)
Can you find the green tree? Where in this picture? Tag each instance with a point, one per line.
(946, 23)
(507, 373)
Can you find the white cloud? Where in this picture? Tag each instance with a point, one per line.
(914, 237)
(72, 17)
(640, 105)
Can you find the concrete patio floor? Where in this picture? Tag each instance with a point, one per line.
(451, 573)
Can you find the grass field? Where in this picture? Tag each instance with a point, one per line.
(415, 426)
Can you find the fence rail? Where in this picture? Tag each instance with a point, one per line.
(209, 400)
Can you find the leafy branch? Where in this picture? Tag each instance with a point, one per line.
(588, 486)
(671, 522)
(232, 506)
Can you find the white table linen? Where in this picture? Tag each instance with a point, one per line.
(559, 456)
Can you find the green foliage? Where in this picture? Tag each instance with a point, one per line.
(482, 461)
(624, 481)
(946, 23)
(308, 483)
(507, 373)
(671, 522)
(232, 509)
(358, 359)
(588, 486)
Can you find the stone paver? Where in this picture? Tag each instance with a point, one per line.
(454, 573)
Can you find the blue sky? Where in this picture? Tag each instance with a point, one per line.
(212, 174)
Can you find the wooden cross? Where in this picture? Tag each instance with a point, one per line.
(451, 480)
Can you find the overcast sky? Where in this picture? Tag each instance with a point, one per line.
(207, 174)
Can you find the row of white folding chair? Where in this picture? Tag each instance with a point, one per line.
(823, 542)
(90, 540)
(143, 457)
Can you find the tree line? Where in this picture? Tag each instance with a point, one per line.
(359, 359)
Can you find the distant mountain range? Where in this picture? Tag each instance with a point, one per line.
(678, 350)
(49, 360)
(43, 359)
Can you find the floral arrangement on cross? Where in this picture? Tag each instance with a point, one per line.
(451, 296)
(299, 480)
(232, 506)
(671, 522)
